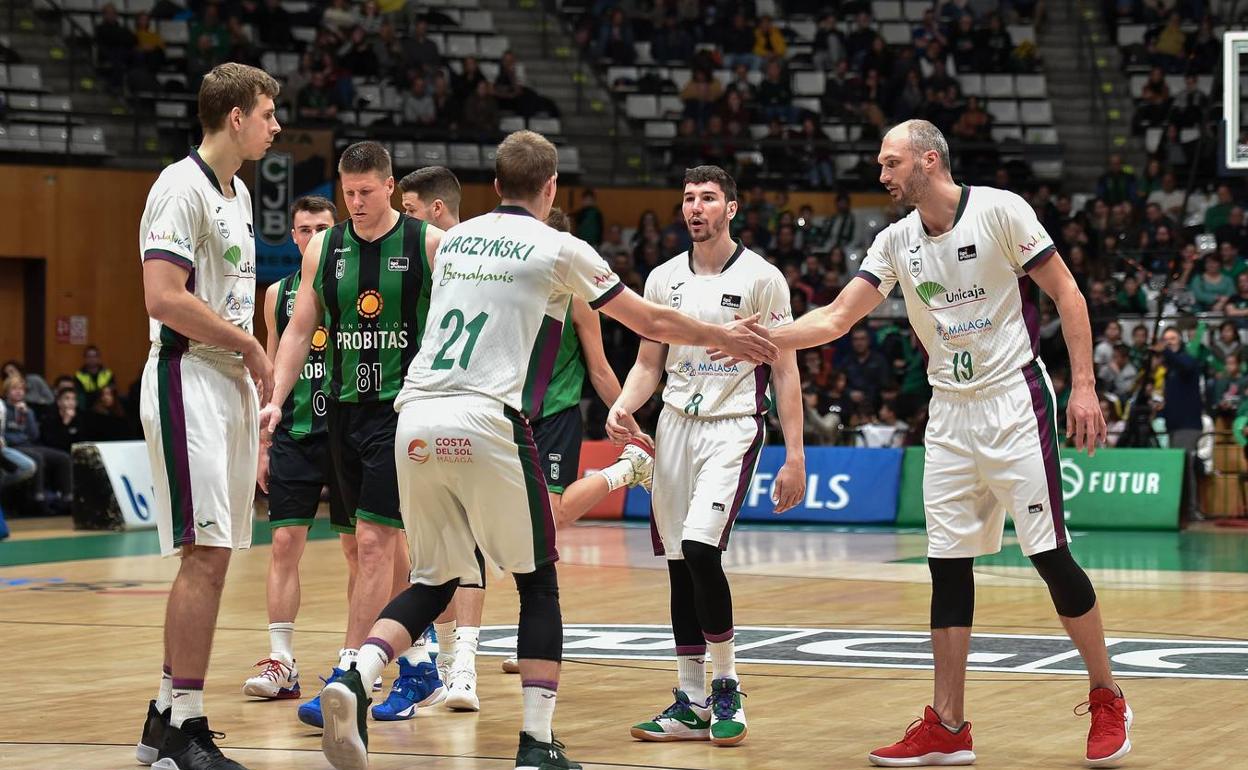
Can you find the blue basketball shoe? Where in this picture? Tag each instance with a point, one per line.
(417, 686)
(310, 712)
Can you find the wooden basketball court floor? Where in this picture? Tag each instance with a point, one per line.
(832, 620)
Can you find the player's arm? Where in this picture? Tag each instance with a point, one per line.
(292, 349)
(270, 320)
(589, 332)
(433, 239)
(1084, 419)
(830, 322)
(169, 302)
(743, 339)
(790, 485)
(639, 386)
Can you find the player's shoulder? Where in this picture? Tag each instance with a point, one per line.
(897, 235)
(758, 265)
(994, 199)
(665, 270)
(181, 177)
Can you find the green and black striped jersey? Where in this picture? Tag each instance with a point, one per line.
(303, 414)
(376, 297)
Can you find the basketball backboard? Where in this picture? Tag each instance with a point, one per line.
(1234, 151)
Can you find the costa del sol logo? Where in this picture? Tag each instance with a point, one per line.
(418, 451)
(369, 304)
(320, 338)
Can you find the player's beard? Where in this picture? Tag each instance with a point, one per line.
(916, 187)
(712, 229)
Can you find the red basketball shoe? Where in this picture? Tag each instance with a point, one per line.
(1109, 736)
(927, 742)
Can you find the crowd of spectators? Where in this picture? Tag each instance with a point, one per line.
(39, 424)
(867, 82)
(355, 43)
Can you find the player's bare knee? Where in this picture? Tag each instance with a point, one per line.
(374, 545)
(1069, 586)
(288, 545)
(953, 592)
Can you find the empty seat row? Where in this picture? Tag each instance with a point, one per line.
(78, 140)
(468, 157)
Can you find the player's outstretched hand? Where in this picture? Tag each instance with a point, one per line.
(270, 416)
(262, 469)
(747, 340)
(1084, 421)
(621, 426)
(790, 487)
(261, 368)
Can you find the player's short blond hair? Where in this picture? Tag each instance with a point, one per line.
(231, 85)
(525, 162)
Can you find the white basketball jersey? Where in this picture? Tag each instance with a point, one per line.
(747, 285)
(189, 222)
(967, 292)
(501, 286)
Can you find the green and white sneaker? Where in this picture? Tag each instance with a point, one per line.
(344, 705)
(641, 459)
(727, 715)
(535, 755)
(684, 720)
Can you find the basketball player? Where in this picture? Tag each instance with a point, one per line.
(365, 279)
(708, 442)
(198, 404)
(470, 479)
(294, 469)
(969, 261)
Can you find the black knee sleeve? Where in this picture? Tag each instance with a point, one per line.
(415, 608)
(685, 626)
(1068, 584)
(712, 596)
(541, 623)
(953, 592)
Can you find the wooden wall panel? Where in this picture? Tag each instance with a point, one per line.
(12, 322)
(84, 222)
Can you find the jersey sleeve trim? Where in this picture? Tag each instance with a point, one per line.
(607, 296)
(168, 256)
(869, 277)
(1040, 258)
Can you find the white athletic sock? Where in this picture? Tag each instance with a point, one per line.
(466, 646)
(691, 673)
(418, 653)
(723, 659)
(373, 657)
(539, 708)
(188, 701)
(446, 637)
(164, 696)
(282, 641)
(618, 474)
(348, 656)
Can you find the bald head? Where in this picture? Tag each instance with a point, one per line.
(923, 137)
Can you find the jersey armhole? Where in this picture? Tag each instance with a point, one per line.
(317, 283)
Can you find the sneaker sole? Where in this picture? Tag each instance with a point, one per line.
(259, 691)
(404, 715)
(692, 735)
(934, 758)
(341, 742)
(733, 741)
(457, 702)
(146, 754)
(1120, 753)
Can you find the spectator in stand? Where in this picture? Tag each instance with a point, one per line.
(829, 48)
(1150, 180)
(316, 102)
(106, 420)
(512, 94)
(92, 376)
(63, 427)
(866, 99)
(1225, 389)
(210, 24)
(1131, 299)
(1191, 107)
(1219, 213)
(737, 43)
(480, 113)
(974, 124)
(677, 229)
(1114, 424)
(884, 431)
(732, 108)
(785, 250)
(1119, 375)
(1235, 231)
(769, 42)
(963, 44)
(115, 44)
(909, 99)
(1171, 43)
(671, 43)
(15, 467)
(201, 58)
(866, 369)
(38, 394)
(879, 58)
(1212, 288)
(995, 45)
(274, 26)
(21, 432)
(418, 106)
(613, 243)
(1109, 339)
(371, 19)
(775, 94)
(615, 40)
(1183, 405)
(589, 219)
(358, 56)
(149, 44)
(860, 40)
(814, 155)
(419, 52)
(742, 85)
(1226, 342)
(339, 17)
(1116, 185)
(1169, 197)
(389, 52)
(843, 225)
(700, 95)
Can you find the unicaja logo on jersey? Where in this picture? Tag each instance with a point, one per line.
(929, 291)
(369, 304)
(319, 338)
(418, 451)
